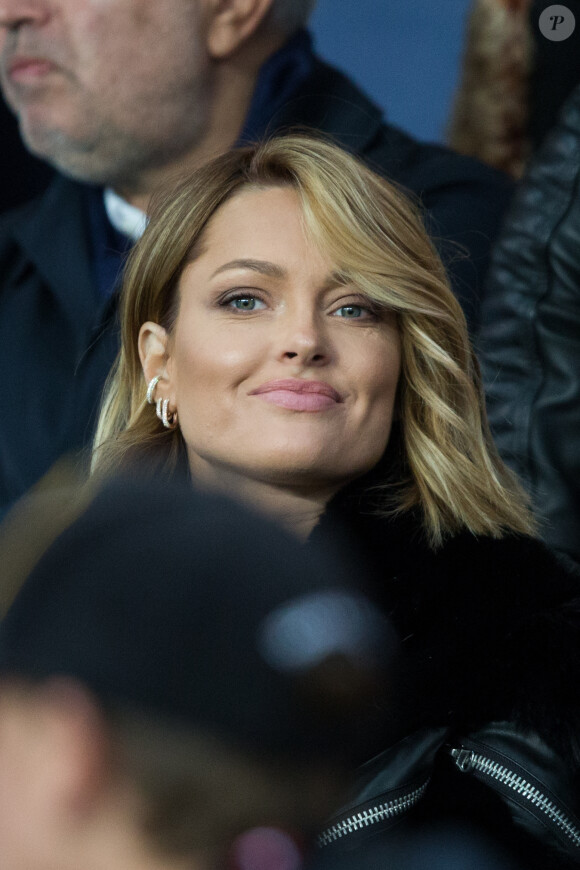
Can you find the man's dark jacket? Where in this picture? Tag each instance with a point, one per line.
(530, 335)
(57, 337)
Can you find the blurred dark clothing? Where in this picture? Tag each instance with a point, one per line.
(58, 335)
(22, 176)
(489, 657)
(529, 344)
(555, 72)
(432, 846)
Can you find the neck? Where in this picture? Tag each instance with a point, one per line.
(298, 509)
(232, 87)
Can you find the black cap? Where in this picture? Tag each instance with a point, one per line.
(192, 607)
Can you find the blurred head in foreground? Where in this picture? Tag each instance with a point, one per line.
(174, 674)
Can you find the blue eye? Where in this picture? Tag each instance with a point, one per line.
(243, 302)
(351, 311)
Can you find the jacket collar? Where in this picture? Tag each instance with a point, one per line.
(281, 76)
(329, 102)
(295, 89)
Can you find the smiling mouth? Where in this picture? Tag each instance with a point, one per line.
(297, 394)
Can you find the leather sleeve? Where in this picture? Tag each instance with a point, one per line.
(529, 343)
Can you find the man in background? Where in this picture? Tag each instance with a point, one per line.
(120, 97)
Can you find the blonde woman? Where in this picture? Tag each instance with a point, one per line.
(289, 336)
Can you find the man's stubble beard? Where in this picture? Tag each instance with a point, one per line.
(113, 156)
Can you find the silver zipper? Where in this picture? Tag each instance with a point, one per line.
(467, 760)
(370, 816)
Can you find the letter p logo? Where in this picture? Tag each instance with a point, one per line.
(557, 23)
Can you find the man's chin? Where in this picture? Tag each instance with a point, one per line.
(75, 159)
(45, 142)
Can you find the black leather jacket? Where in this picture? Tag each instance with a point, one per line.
(525, 814)
(479, 737)
(529, 343)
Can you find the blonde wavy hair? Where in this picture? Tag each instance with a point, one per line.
(376, 238)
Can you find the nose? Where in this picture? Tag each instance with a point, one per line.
(303, 339)
(14, 13)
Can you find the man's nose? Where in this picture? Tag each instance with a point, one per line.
(14, 13)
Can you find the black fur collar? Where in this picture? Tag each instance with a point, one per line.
(489, 629)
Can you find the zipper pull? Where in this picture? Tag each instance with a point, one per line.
(463, 759)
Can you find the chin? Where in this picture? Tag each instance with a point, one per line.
(57, 149)
(90, 159)
(300, 471)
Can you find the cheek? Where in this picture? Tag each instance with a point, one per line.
(210, 368)
(161, 47)
(111, 41)
(382, 373)
(382, 379)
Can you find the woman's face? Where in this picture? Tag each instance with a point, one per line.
(278, 371)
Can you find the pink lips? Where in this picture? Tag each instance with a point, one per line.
(298, 394)
(28, 69)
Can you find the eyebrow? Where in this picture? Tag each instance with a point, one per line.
(262, 266)
(272, 270)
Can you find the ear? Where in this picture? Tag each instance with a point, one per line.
(153, 350)
(232, 23)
